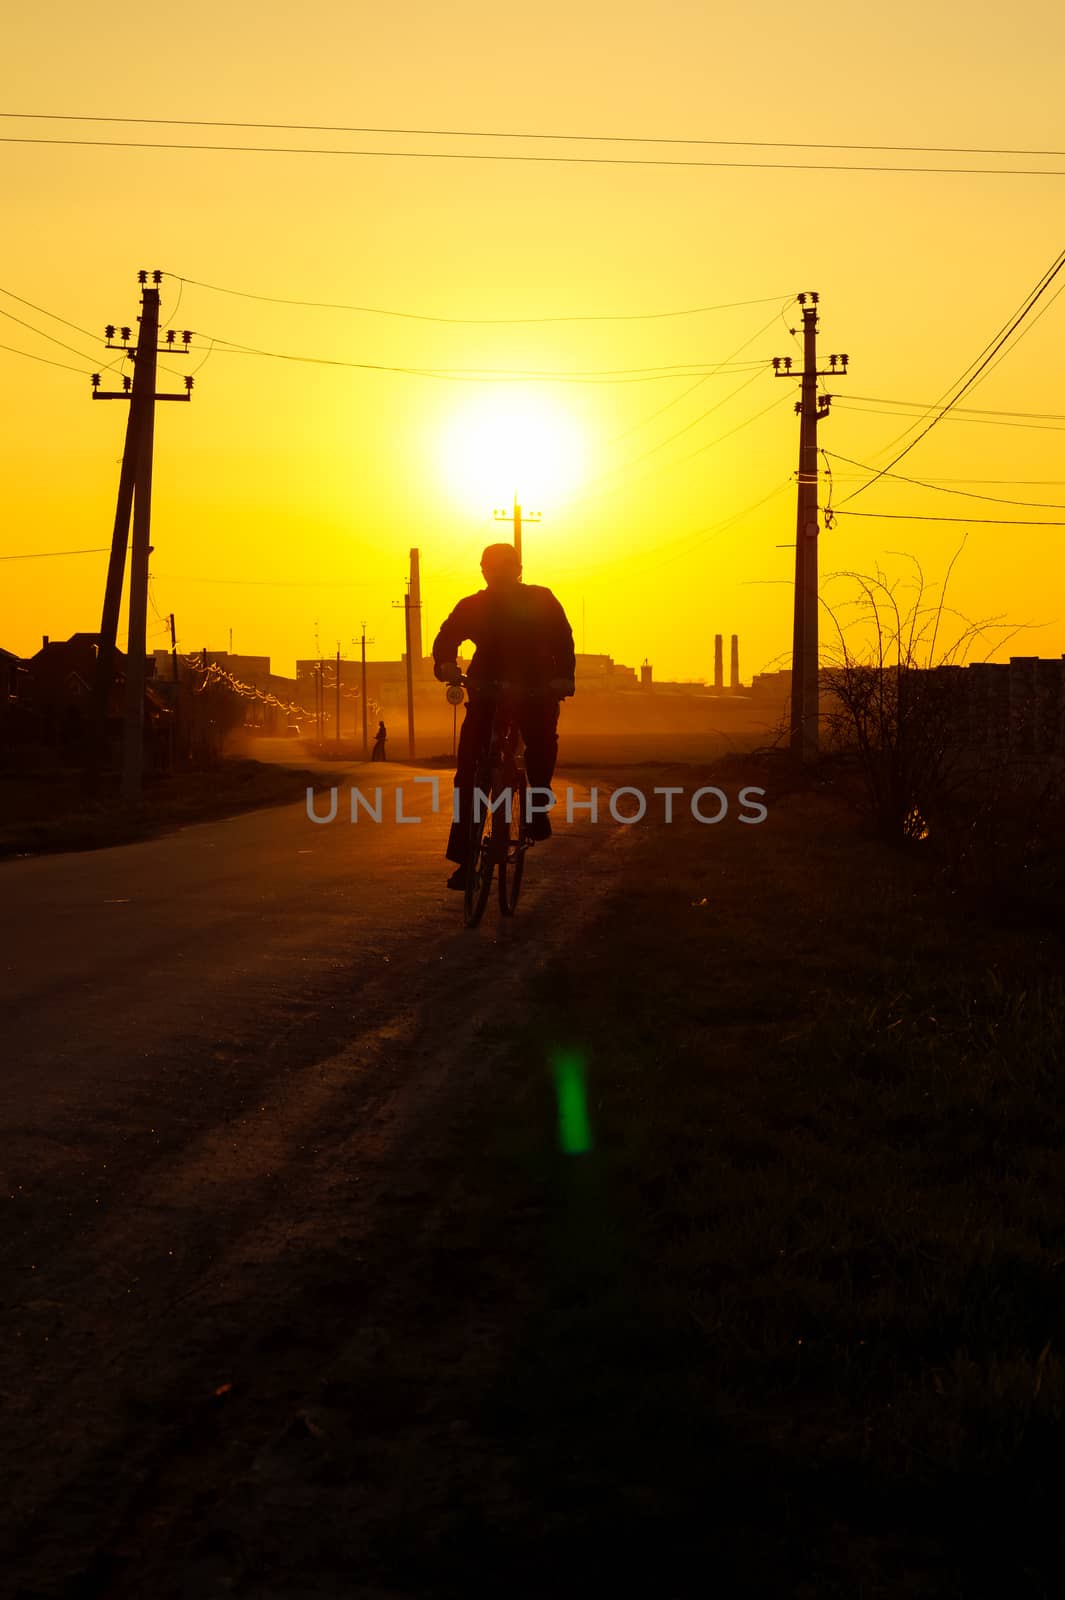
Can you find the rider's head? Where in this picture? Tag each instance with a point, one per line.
(501, 565)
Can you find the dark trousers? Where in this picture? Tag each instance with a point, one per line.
(537, 718)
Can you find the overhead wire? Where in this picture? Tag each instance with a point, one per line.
(487, 374)
(60, 342)
(43, 311)
(677, 399)
(970, 494)
(904, 516)
(63, 365)
(954, 416)
(925, 406)
(973, 371)
(39, 555)
(553, 160)
(498, 133)
(421, 316)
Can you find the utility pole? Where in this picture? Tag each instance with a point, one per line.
(338, 693)
(134, 493)
(515, 516)
(406, 604)
(811, 409)
(365, 731)
(173, 648)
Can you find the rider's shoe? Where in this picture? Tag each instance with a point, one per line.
(457, 879)
(539, 827)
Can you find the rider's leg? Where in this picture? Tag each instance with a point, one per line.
(476, 726)
(538, 719)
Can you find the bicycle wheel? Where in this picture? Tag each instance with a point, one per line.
(480, 861)
(511, 849)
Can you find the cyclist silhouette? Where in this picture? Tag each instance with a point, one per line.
(523, 639)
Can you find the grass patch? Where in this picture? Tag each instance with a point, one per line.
(803, 1316)
(49, 812)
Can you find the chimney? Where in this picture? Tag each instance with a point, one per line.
(44, 638)
(735, 680)
(719, 662)
(415, 610)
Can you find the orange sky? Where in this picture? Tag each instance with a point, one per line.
(288, 494)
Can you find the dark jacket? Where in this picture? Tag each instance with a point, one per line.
(521, 633)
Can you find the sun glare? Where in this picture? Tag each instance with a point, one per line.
(511, 444)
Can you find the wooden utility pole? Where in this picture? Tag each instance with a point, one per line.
(134, 490)
(811, 409)
(515, 516)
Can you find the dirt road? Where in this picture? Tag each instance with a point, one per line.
(233, 1056)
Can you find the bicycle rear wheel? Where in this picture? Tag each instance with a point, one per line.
(511, 849)
(479, 863)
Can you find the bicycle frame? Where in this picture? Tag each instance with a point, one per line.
(497, 836)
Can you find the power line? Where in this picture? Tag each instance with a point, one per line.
(671, 465)
(677, 399)
(480, 133)
(969, 494)
(626, 466)
(973, 371)
(53, 340)
(263, 583)
(43, 311)
(983, 411)
(680, 369)
(903, 516)
(39, 555)
(989, 421)
(418, 316)
(575, 161)
(63, 365)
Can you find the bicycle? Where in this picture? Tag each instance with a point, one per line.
(496, 834)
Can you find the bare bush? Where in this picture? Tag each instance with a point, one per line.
(897, 705)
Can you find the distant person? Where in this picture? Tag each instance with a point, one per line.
(523, 638)
(378, 751)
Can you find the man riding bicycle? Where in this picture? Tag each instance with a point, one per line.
(523, 639)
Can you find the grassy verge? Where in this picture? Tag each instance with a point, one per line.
(50, 813)
(797, 1324)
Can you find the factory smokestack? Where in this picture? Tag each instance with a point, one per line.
(735, 683)
(719, 662)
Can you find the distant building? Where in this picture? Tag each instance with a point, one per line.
(12, 676)
(602, 674)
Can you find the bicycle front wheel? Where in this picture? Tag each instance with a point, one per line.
(480, 861)
(511, 850)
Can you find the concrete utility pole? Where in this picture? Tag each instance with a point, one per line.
(515, 516)
(134, 489)
(406, 604)
(804, 656)
(365, 730)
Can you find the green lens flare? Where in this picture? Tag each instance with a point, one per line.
(574, 1130)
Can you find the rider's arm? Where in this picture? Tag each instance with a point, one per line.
(564, 655)
(453, 633)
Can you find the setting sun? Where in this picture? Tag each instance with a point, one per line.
(511, 444)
